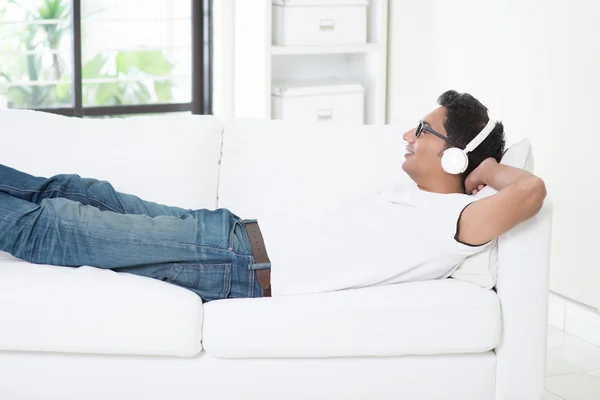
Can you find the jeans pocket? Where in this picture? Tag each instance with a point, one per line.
(209, 281)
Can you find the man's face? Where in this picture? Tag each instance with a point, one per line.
(423, 154)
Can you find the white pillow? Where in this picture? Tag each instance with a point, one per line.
(482, 268)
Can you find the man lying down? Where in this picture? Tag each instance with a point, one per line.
(417, 232)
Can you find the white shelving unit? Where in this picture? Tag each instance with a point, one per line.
(258, 64)
(342, 49)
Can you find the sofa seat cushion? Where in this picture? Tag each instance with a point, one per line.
(91, 310)
(416, 318)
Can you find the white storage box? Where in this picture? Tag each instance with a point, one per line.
(315, 23)
(330, 102)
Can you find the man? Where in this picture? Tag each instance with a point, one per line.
(423, 231)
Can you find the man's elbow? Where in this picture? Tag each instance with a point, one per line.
(536, 192)
(540, 189)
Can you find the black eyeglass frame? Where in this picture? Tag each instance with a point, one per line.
(424, 127)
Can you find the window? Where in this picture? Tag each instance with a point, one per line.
(106, 57)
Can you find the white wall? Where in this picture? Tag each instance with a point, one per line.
(534, 64)
(223, 58)
(241, 73)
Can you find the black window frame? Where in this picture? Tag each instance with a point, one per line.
(202, 42)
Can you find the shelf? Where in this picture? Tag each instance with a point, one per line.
(261, 64)
(336, 49)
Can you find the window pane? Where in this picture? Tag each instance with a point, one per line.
(36, 95)
(35, 54)
(136, 52)
(134, 77)
(137, 90)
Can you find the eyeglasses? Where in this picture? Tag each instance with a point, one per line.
(424, 127)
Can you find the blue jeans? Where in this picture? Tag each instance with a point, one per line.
(67, 220)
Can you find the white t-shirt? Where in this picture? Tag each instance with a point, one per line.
(398, 235)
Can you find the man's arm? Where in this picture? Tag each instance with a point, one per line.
(520, 196)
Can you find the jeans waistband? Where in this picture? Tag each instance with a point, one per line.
(240, 242)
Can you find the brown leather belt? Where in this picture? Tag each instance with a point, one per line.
(259, 252)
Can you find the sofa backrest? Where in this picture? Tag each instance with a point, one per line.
(171, 160)
(276, 166)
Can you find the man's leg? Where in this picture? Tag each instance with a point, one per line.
(63, 232)
(87, 191)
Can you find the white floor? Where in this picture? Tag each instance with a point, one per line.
(572, 368)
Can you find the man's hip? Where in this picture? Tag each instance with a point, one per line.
(246, 275)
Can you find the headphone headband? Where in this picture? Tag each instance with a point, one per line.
(485, 132)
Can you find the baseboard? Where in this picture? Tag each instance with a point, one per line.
(574, 318)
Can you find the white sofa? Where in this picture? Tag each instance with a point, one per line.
(87, 333)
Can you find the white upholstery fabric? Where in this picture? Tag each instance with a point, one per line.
(90, 310)
(31, 376)
(519, 155)
(524, 258)
(170, 160)
(45, 310)
(430, 317)
(278, 166)
(522, 284)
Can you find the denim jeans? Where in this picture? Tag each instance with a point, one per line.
(67, 220)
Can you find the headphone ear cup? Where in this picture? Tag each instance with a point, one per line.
(454, 161)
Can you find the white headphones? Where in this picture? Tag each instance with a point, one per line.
(455, 161)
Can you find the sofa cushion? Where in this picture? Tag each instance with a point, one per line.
(171, 160)
(431, 317)
(90, 310)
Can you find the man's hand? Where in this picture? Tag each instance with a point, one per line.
(475, 181)
(520, 196)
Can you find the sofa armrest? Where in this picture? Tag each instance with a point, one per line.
(523, 269)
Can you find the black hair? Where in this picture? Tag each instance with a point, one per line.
(465, 118)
